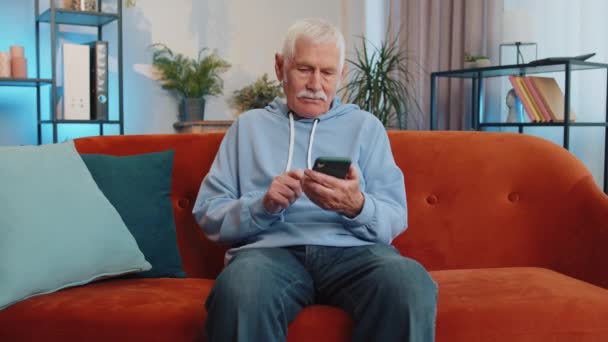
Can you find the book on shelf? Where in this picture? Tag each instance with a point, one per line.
(99, 79)
(541, 97)
(76, 82)
(524, 97)
(533, 105)
(82, 91)
(552, 96)
(537, 100)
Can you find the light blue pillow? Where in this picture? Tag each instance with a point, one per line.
(57, 229)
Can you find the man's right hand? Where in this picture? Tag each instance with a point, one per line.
(283, 191)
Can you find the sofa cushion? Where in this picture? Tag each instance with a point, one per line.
(139, 187)
(57, 229)
(518, 304)
(503, 304)
(161, 309)
(145, 309)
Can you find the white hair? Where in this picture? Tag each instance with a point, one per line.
(319, 31)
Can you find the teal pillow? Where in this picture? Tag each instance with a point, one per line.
(139, 187)
(57, 229)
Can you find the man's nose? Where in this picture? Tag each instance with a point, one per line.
(314, 81)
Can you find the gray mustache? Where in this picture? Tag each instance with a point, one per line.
(319, 95)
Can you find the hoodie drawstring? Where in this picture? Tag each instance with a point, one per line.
(310, 141)
(292, 135)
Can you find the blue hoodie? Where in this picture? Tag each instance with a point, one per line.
(256, 148)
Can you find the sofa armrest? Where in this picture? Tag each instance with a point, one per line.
(585, 253)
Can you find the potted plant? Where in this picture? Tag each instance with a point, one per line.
(380, 83)
(192, 80)
(255, 95)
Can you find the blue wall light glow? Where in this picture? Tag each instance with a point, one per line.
(18, 105)
(18, 122)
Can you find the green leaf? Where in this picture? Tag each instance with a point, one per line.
(380, 82)
(188, 77)
(255, 95)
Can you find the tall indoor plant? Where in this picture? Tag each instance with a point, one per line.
(379, 82)
(192, 80)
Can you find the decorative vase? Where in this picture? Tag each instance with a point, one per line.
(5, 64)
(192, 109)
(18, 67)
(515, 107)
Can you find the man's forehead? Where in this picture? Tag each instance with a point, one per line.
(305, 42)
(305, 50)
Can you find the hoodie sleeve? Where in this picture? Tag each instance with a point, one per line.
(224, 214)
(384, 212)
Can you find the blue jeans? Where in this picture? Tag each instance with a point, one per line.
(390, 297)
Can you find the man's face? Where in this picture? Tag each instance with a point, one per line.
(311, 77)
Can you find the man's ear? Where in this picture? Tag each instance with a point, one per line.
(278, 66)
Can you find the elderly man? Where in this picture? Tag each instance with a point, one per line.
(298, 236)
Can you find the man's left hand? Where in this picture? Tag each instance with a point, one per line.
(331, 193)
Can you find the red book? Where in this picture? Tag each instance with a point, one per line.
(523, 97)
(537, 99)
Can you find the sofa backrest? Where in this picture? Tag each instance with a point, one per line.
(483, 199)
(194, 154)
(475, 199)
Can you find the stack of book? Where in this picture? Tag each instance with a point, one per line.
(84, 90)
(542, 98)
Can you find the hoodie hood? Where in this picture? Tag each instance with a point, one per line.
(279, 107)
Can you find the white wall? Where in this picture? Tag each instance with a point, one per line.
(245, 33)
(248, 33)
(569, 28)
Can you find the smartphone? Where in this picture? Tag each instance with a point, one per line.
(333, 166)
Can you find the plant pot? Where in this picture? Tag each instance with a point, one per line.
(192, 109)
(469, 65)
(482, 63)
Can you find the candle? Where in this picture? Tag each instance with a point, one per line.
(5, 64)
(16, 51)
(19, 67)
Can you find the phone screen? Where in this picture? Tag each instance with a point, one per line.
(333, 166)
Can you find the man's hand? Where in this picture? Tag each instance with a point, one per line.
(331, 193)
(283, 191)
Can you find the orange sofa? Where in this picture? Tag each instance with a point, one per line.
(512, 227)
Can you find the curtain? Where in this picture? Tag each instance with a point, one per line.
(436, 34)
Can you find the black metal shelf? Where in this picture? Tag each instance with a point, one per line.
(546, 124)
(24, 82)
(478, 76)
(519, 69)
(80, 121)
(54, 16)
(81, 18)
